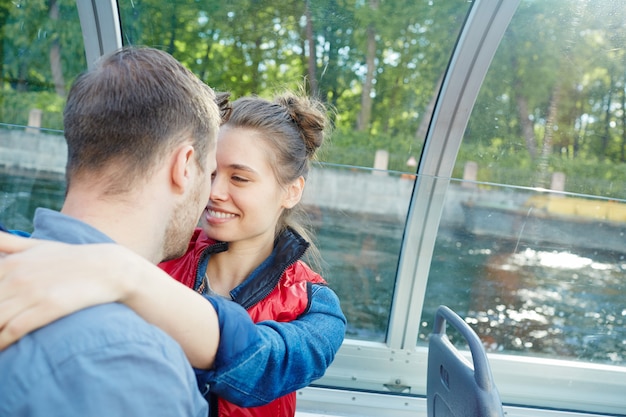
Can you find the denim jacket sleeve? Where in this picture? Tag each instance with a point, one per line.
(279, 357)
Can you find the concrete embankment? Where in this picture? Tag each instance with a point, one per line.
(351, 191)
(22, 150)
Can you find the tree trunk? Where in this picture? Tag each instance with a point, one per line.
(526, 125)
(579, 137)
(623, 147)
(55, 53)
(256, 56)
(171, 46)
(365, 114)
(4, 16)
(312, 59)
(420, 134)
(543, 179)
(205, 62)
(607, 122)
(329, 85)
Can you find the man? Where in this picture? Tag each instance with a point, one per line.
(141, 134)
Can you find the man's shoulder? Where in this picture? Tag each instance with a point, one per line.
(90, 335)
(94, 328)
(100, 351)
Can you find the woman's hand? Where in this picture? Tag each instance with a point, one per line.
(42, 281)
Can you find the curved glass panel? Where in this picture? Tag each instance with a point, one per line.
(531, 244)
(41, 52)
(378, 65)
(530, 247)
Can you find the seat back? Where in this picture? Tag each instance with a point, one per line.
(455, 387)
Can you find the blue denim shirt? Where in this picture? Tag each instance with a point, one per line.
(14, 232)
(104, 360)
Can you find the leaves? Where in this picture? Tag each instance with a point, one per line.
(572, 47)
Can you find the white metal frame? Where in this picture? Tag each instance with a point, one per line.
(485, 25)
(100, 23)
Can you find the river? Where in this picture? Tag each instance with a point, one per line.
(520, 299)
(523, 300)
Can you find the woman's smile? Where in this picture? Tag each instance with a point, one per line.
(218, 216)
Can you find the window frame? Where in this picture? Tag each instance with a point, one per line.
(398, 367)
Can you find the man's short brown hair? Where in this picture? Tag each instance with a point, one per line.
(133, 106)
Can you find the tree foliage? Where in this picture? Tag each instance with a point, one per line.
(555, 90)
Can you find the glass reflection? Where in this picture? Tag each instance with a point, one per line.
(530, 292)
(539, 251)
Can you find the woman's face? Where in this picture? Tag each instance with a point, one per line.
(246, 200)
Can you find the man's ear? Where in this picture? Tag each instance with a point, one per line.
(294, 193)
(183, 167)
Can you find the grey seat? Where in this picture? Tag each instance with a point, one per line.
(455, 387)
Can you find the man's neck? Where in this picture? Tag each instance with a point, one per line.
(123, 221)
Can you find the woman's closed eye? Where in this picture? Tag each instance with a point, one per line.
(238, 178)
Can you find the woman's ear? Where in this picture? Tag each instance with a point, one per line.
(294, 193)
(183, 167)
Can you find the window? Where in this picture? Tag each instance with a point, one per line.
(536, 219)
(530, 247)
(358, 195)
(41, 53)
(477, 160)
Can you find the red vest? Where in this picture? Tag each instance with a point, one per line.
(287, 301)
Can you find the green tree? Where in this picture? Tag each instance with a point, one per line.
(42, 52)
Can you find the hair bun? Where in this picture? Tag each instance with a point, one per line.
(309, 115)
(225, 107)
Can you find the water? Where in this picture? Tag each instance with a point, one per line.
(21, 195)
(361, 255)
(520, 299)
(534, 300)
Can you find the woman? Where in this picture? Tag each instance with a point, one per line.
(248, 250)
